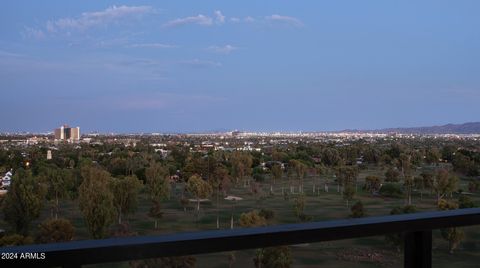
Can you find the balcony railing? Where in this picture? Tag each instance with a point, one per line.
(417, 228)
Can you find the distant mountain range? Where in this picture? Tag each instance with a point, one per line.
(466, 128)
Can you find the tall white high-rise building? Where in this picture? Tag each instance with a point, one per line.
(67, 133)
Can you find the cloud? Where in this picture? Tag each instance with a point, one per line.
(108, 42)
(91, 19)
(227, 49)
(199, 20)
(196, 63)
(238, 20)
(219, 17)
(135, 63)
(249, 19)
(151, 45)
(284, 19)
(33, 33)
(203, 20)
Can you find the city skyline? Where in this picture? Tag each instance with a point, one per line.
(143, 66)
(467, 128)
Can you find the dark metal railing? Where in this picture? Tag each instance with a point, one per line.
(417, 228)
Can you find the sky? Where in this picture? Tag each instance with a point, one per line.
(271, 65)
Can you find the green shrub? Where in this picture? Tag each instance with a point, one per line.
(391, 190)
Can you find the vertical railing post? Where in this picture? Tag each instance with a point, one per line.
(418, 249)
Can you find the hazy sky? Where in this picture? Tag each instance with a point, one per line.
(132, 66)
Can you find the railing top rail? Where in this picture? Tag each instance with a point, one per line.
(131, 248)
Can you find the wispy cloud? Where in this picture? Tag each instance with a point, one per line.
(33, 33)
(249, 19)
(110, 42)
(92, 19)
(227, 49)
(87, 20)
(151, 45)
(245, 19)
(218, 18)
(199, 20)
(196, 63)
(284, 19)
(134, 63)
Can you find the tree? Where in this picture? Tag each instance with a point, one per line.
(444, 183)
(408, 185)
(158, 188)
(300, 170)
(59, 182)
(397, 240)
(241, 166)
(273, 257)
(199, 188)
(428, 179)
(448, 152)
(166, 262)
(15, 240)
(177, 262)
(391, 175)
(473, 186)
(391, 190)
(290, 170)
(331, 157)
(96, 200)
(55, 230)
(319, 170)
(371, 155)
(220, 181)
(155, 211)
(418, 183)
(268, 214)
(347, 175)
(465, 202)
(405, 166)
(433, 156)
(24, 201)
(358, 211)
(266, 257)
(299, 206)
(277, 173)
(348, 193)
(252, 219)
(347, 178)
(453, 235)
(196, 164)
(464, 164)
(125, 194)
(372, 184)
(279, 156)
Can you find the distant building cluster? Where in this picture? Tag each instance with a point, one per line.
(67, 133)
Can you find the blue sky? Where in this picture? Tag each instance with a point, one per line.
(180, 66)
